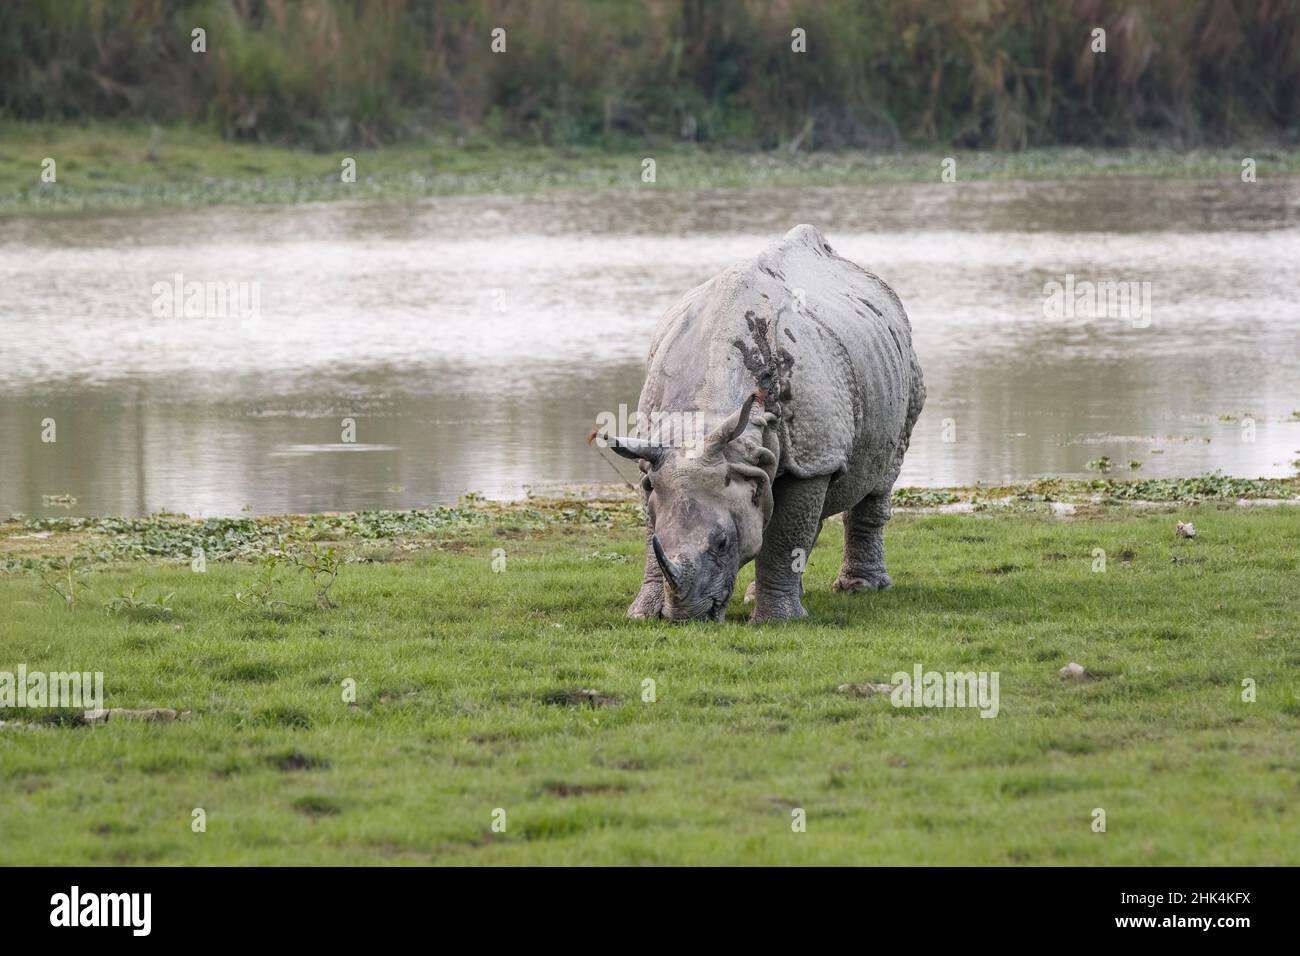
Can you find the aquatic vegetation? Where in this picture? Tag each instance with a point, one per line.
(1216, 487)
(104, 167)
(177, 537)
(389, 535)
(923, 498)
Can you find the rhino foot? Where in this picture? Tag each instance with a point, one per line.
(778, 609)
(864, 581)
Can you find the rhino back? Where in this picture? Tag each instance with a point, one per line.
(827, 342)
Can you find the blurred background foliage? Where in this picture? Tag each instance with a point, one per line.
(878, 73)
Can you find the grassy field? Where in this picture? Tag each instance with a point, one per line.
(125, 166)
(472, 694)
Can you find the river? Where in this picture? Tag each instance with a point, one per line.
(399, 355)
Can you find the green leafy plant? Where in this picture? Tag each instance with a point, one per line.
(298, 551)
(322, 565)
(259, 593)
(64, 581)
(130, 605)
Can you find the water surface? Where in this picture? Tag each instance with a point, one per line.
(474, 340)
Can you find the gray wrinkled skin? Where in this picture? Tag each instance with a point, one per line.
(827, 349)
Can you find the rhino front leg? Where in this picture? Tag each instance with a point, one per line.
(864, 546)
(649, 601)
(787, 543)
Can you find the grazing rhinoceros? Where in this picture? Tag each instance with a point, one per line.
(799, 365)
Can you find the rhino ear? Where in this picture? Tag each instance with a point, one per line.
(762, 486)
(732, 428)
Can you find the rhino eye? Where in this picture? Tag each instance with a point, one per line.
(721, 543)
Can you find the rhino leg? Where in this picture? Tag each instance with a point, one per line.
(796, 519)
(864, 546)
(649, 601)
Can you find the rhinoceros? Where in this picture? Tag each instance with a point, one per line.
(797, 370)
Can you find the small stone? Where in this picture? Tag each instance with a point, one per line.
(864, 690)
(1186, 529)
(1072, 671)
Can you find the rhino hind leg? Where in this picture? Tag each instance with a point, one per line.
(787, 542)
(864, 546)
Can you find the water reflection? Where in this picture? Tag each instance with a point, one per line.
(473, 340)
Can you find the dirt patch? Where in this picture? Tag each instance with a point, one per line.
(297, 760)
(633, 764)
(782, 803)
(317, 806)
(864, 690)
(580, 697)
(558, 789)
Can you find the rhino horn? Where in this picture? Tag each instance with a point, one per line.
(672, 573)
(633, 448)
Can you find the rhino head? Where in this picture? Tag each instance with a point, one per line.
(708, 505)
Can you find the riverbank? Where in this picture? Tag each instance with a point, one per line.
(34, 543)
(385, 687)
(135, 166)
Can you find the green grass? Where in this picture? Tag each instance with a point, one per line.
(469, 698)
(127, 166)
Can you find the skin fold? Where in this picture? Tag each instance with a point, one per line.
(780, 392)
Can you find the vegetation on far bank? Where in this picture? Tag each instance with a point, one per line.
(483, 666)
(811, 74)
(128, 166)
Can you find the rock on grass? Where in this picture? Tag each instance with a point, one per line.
(102, 716)
(864, 690)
